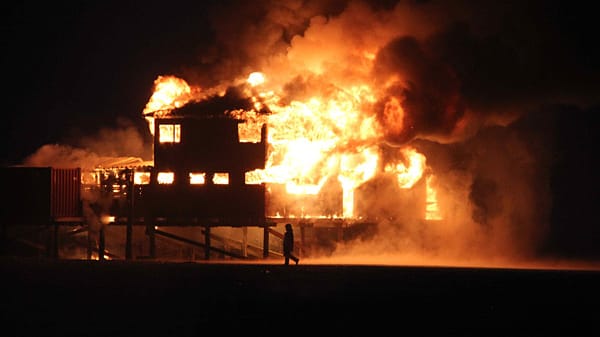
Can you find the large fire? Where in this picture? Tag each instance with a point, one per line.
(322, 137)
(417, 125)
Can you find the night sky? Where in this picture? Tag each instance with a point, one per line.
(76, 67)
(73, 68)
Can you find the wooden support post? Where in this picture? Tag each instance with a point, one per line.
(101, 244)
(130, 216)
(49, 240)
(90, 240)
(245, 241)
(3, 239)
(151, 239)
(128, 241)
(55, 240)
(302, 239)
(266, 242)
(52, 243)
(207, 242)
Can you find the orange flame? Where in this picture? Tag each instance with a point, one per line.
(408, 176)
(432, 210)
(169, 93)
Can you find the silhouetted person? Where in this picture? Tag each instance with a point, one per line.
(288, 245)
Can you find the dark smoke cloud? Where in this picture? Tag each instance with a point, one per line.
(489, 65)
(234, 98)
(427, 89)
(523, 190)
(248, 34)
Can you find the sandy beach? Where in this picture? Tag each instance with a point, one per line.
(148, 298)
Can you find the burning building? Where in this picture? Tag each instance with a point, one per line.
(402, 125)
(218, 164)
(279, 171)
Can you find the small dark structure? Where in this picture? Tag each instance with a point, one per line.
(39, 195)
(40, 198)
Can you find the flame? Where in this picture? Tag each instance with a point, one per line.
(432, 210)
(169, 92)
(408, 176)
(256, 78)
(106, 219)
(96, 257)
(317, 139)
(355, 170)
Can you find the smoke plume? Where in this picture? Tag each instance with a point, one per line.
(121, 146)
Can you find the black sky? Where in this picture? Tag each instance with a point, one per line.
(71, 68)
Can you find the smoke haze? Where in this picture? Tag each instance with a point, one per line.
(121, 146)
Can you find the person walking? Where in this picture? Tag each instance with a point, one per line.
(288, 245)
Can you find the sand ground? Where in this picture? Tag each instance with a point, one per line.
(43, 297)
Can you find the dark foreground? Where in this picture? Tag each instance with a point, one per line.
(119, 298)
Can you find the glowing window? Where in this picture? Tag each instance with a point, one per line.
(169, 133)
(141, 178)
(253, 177)
(165, 177)
(90, 178)
(221, 179)
(197, 178)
